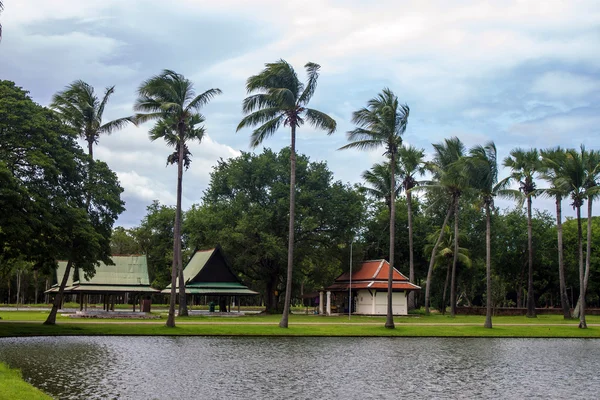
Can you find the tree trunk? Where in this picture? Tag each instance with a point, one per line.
(488, 266)
(564, 300)
(432, 259)
(51, 320)
(36, 286)
(530, 295)
(588, 253)
(290, 262)
(90, 147)
(411, 261)
(446, 282)
(454, 261)
(183, 309)
(389, 321)
(582, 323)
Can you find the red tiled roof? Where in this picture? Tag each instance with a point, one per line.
(372, 274)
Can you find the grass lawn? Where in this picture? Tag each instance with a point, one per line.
(13, 387)
(28, 323)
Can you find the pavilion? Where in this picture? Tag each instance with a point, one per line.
(369, 288)
(128, 276)
(208, 273)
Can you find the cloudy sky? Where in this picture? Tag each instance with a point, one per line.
(521, 73)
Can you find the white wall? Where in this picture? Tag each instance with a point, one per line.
(366, 305)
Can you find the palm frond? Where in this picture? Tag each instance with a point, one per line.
(203, 99)
(107, 93)
(320, 120)
(266, 130)
(259, 117)
(257, 101)
(312, 71)
(362, 145)
(116, 124)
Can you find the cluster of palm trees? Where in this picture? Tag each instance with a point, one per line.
(277, 97)
(567, 172)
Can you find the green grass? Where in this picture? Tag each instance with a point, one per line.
(28, 323)
(13, 387)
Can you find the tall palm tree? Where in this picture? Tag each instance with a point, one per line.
(80, 107)
(450, 180)
(445, 255)
(378, 182)
(382, 123)
(278, 97)
(483, 162)
(411, 164)
(574, 176)
(524, 165)
(553, 161)
(169, 98)
(592, 189)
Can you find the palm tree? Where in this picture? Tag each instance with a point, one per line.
(450, 179)
(445, 255)
(81, 108)
(382, 123)
(483, 162)
(278, 97)
(524, 165)
(378, 180)
(169, 98)
(592, 174)
(553, 161)
(411, 164)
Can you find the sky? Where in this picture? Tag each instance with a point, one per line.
(521, 73)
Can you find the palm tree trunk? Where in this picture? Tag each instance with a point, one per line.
(488, 266)
(432, 259)
(564, 299)
(530, 296)
(91, 148)
(411, 261)
(389, 321)
(454, 262)
(582, 323)
(588, 253)
(290, 262)
(51, 320)
(183, 310)
(446, 282)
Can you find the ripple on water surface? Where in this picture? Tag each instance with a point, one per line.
(306, 368)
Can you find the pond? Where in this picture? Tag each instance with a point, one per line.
(305, 368)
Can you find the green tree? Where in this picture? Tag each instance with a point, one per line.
(450, 180)
(524, 165)
(79, 107)
(411, 162)
(278, 97)
(169, 99)
(245, 208)
(382, 123)
(553, 161)
(123, 241)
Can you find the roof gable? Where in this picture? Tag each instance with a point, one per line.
(209, 266)
(373, 270)
(127, 270)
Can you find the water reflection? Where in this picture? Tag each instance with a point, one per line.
(305, 368)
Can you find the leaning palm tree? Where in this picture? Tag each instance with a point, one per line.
(278, 97)
(382, 123)
(377, 181)
(483, 162)
(450, 179)
(411, 164)
(169, 98)
(445, 256)
(80, 107)
(553, 161)
(524, 165)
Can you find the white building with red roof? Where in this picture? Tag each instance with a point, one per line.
(369, 288)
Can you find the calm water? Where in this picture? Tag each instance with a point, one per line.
(306, 368)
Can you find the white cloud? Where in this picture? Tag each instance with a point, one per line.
(562, 84)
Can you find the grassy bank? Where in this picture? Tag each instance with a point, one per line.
(28, 323)
(13, 387)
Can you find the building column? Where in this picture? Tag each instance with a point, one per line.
(328, 302)
(373, 304)
(321, 302)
